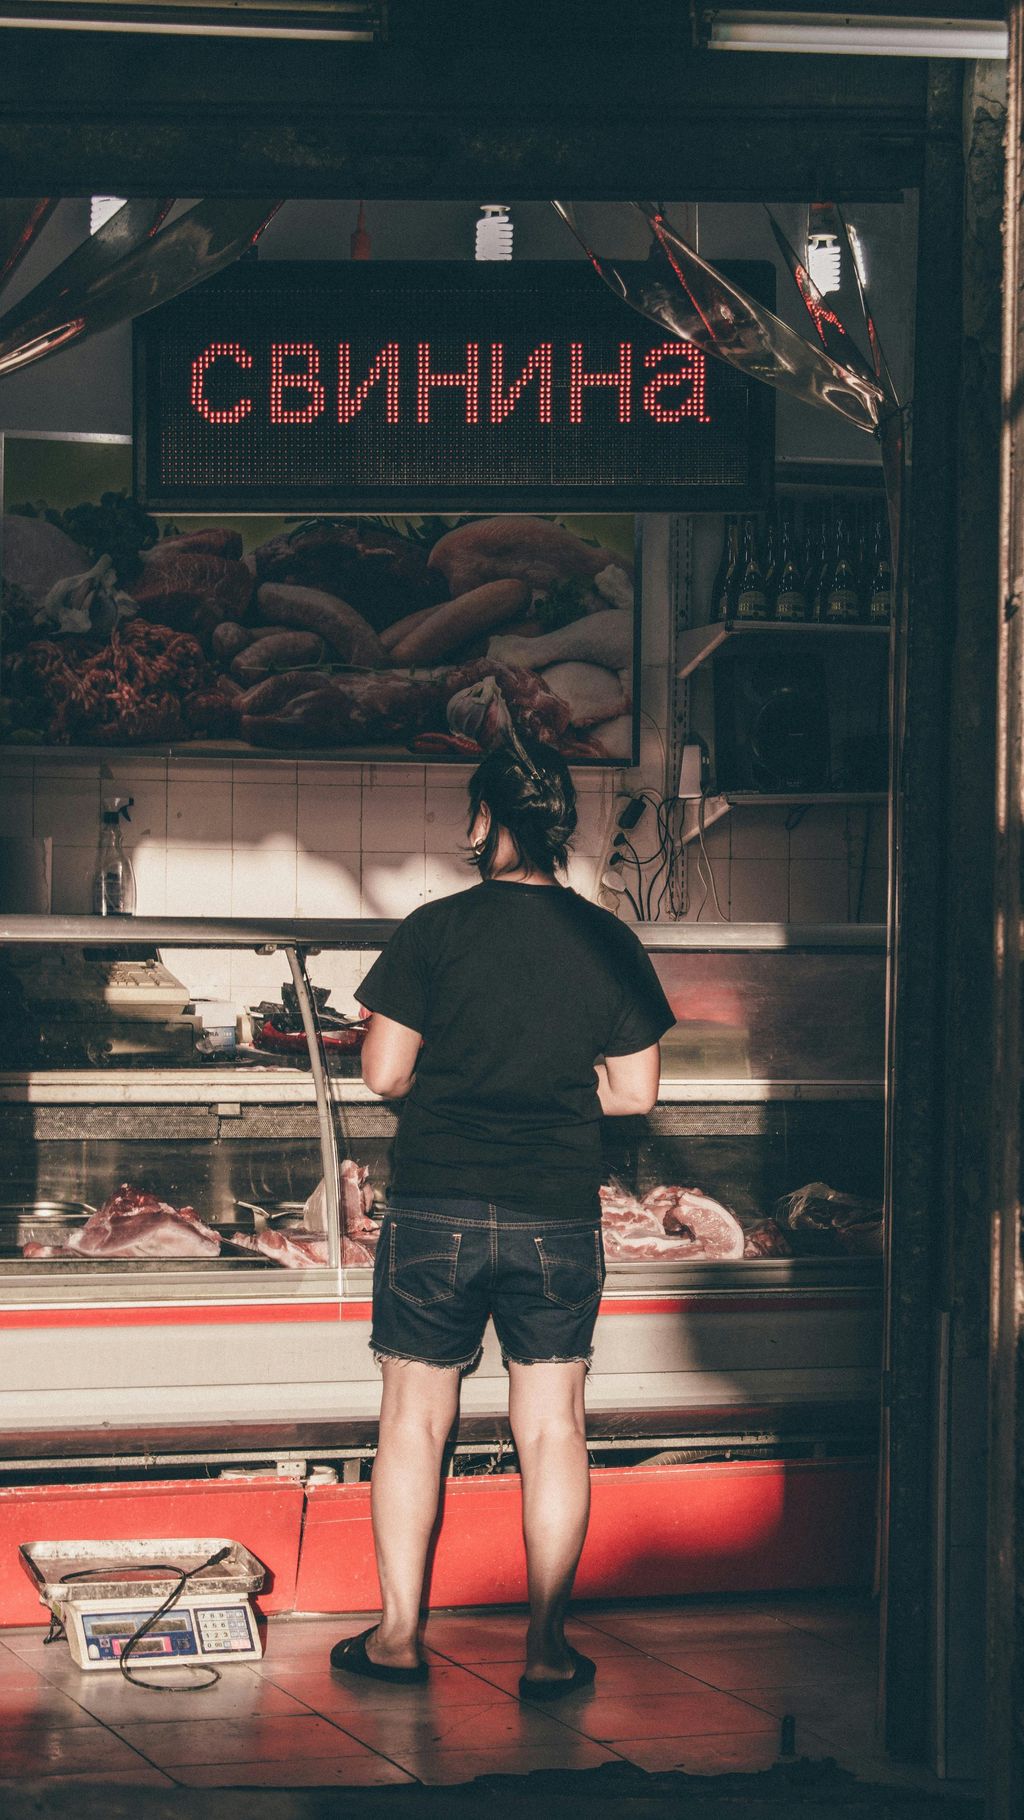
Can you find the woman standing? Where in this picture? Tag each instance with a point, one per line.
(509, 1017)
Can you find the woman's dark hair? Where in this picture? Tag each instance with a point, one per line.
(530, 793)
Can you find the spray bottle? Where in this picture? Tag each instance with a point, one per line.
(113, 885)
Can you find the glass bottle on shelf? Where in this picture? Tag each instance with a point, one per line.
(808, 546)
(880, 583)
(841, 596)
(752, 598)
(726, 582)
(790, 592)
(771, 556)
(816, 568)
(861, 548)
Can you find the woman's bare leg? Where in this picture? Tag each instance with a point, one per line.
(418, 1408)
(545, 1408)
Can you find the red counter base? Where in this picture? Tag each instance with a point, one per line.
(265, 1514)
(731, 1526)
(726, 1527)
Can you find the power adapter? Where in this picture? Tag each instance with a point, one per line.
(632, 812)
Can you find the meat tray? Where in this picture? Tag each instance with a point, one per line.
(49, 1562)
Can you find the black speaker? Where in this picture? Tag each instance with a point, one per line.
(771, 718)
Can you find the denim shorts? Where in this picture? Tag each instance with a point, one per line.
(444, 1265)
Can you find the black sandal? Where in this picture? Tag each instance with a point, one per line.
(583, 1673)
(350, 1654)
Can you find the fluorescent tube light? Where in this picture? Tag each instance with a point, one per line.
(347, 21)
(729, 28)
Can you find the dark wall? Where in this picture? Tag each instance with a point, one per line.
(466, 96)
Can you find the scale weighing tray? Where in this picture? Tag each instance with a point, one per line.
(213, 1621)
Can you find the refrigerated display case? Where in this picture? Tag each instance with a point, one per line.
(226, 1317)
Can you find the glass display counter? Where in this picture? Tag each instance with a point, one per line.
(188, 1151)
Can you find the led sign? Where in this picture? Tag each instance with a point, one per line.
(434, 386)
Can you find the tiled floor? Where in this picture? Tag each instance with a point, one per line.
(681, 1684)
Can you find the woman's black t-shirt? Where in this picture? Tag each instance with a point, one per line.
(516, 991)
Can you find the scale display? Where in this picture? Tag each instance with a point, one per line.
(437, 386)
(189, 1632)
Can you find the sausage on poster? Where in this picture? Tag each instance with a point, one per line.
(350, 637)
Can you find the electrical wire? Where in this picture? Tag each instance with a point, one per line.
(667, 880)
(57, 1628)
(707, 861)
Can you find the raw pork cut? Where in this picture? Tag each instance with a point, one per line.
(669, 1222)
(633, 1231)
(135, 1224)
(695, 1215)
(295, 1248)
(359, 1232)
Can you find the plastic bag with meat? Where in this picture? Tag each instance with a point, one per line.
(766, 1239)
(823, 1217)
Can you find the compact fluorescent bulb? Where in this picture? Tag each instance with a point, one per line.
(824, 262)
(494, 232)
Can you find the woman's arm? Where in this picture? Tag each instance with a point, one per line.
(629, 1083)
(389, 1057)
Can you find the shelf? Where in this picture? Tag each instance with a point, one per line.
(718, 804)
(697, 645)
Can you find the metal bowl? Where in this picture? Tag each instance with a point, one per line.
(64, 1213)
(39, 1222)
(276, 1215)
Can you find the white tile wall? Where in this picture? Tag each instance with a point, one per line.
(198, 881)
(16, 804)
(263, 880)
(328, 884)
(393, 882)
(329, 812)
(809, 873)
(198, 809)
(758, 891)
(818, 891)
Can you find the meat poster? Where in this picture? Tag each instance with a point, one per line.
(374, 636)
